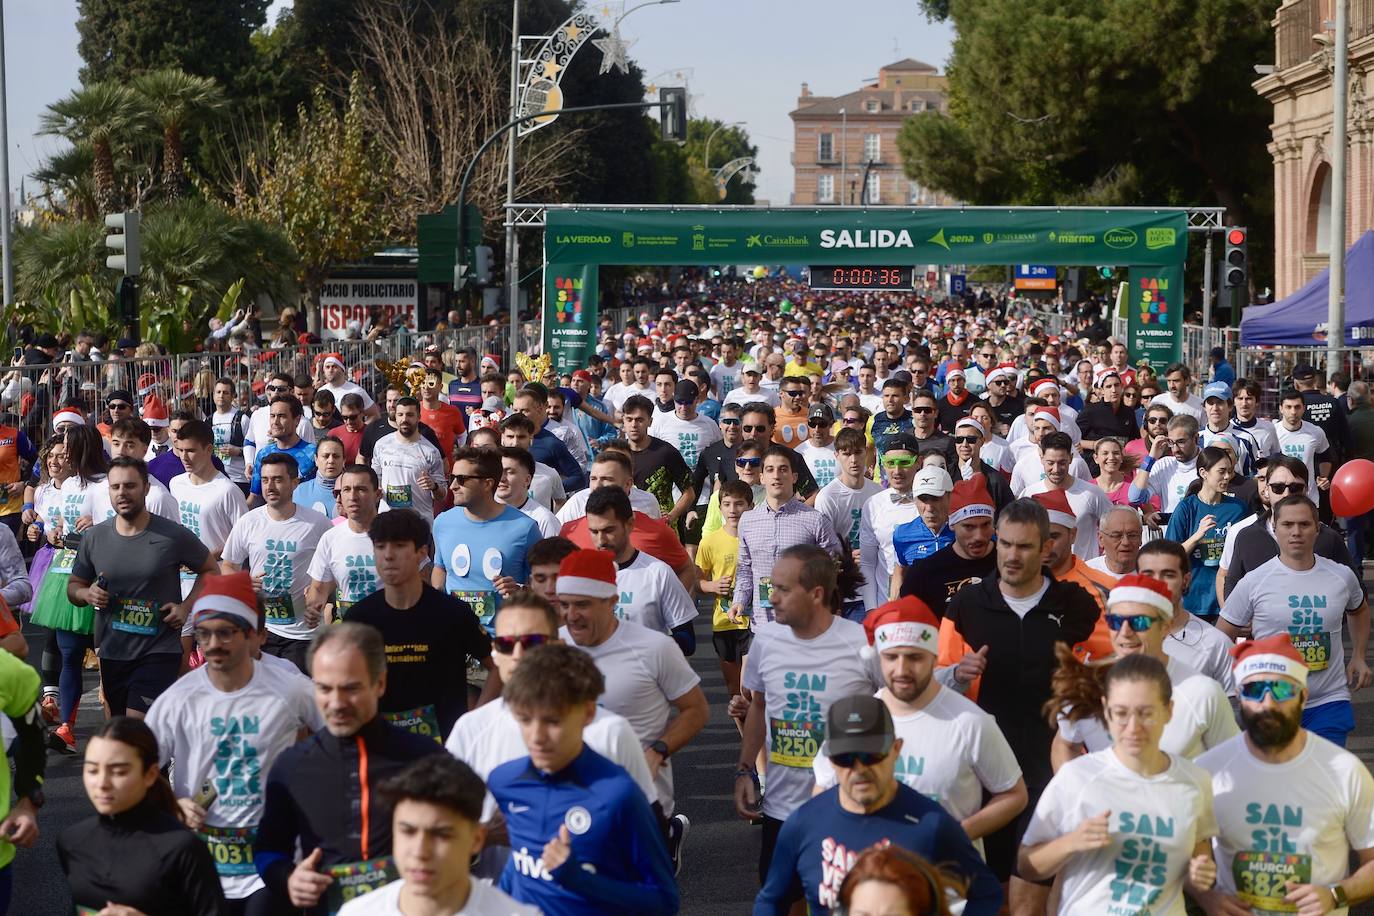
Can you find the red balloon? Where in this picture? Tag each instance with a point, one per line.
(1352, 489)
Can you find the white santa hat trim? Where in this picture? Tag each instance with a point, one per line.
(590, 588)
(1136, 594)
(1269, 663)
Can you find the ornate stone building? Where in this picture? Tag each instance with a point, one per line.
(1300, 90)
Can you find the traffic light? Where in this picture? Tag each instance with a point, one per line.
(124, 243)
(1236, 264)
(673, 114)
(481, 266)
(1106, 272)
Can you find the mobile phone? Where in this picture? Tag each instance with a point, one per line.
(206, 796)
(18, 353)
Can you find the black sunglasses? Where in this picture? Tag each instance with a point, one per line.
(506, 644)
(1279, 489)
(966, 440)
(460, 480)
(729, 421)
(853, 758)
(749, 429)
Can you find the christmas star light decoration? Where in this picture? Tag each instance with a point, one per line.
(613, 49)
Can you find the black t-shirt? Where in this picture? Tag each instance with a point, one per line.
(1098, 421)
(658, 469)
(381, 427)
(937, 578)
(427, 651)
(716, 462)
(1007, 412)
(950, 414)
(1324, 411)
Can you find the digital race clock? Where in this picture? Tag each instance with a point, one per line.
(862, 278)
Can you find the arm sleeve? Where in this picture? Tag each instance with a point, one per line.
(656, 889)
(568, 469)
(21, 685)
(868, 559)
(984, 891)
(1238, 609)
(774, 898)
(826, 538)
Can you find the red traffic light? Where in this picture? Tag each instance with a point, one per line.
(1235, 237)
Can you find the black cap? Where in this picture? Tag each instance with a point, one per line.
(126, 343)
(686, 391)
(119, 394)
(903, 442)
(45, 341)
(1303, 370)
(859, 724)
(823, 412)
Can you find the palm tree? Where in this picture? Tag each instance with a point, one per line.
(66, 174)
(175, 99)
(101, 114)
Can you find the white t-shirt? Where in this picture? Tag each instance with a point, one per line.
(800, 678)
(347, 387)
(618, 394)
(645, 673)
(1155, 823)
(548, 523)
(209, 510)
(652, 596)
(844, 507)
(1304, 443)
(281, 552)
(399, 464)
(221, 423)
(1228, 549)
(877, 555)
(951, 751)
(1192, 407)
(725, 378)
(1309, 607)
(1170, 479)
(1099, 563)
(345, 557)
(821, 460)
(483, 900)
(576, 506)
(231, 740)
(1206, 650)
(489, 736)
(1090, 505)
(547, 486)
(1023, 606)
(1028, 469)
(1298, 819)
(689, 437)
(741, 397)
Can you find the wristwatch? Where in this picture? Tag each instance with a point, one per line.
(660, 748)
(1339, 896)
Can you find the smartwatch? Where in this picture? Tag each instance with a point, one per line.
(660, 748)
(1339, 896)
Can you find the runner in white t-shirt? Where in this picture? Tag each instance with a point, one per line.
(336, 383)
(130, 438)
(258, 434)
(222, 422)
(343, 570)
(1198, 645)
(683, 428)
(842, 500)
(1168, 476)
(517, 473)
(276, 543)
(818, 451)
(410, 469)
(1304, 441)
(1291, 807)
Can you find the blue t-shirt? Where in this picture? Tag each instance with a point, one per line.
(819, 839)
(1201, 597)
(473, 554)
(913, 540)
(318, 494)
(302, 451)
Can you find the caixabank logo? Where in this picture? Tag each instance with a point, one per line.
(1154, 300)
(567, 306)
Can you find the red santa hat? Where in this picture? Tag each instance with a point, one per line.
(1048, 414)
(231, 597)
(1041, 384)
(1271, 655)
(1056, 503)
(333, 359)
(590, 573)
(1135, 588)
(905, 622)
(970, 499)
(1002, 370)
(155, 411)
(68, 415)
(954, 372)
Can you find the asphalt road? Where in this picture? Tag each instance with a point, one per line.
(719, 872)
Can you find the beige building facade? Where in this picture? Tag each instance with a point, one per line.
(842, 143)
(1299, 88)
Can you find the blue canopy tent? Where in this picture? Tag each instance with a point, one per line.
(1300, 319)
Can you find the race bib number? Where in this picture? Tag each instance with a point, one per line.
(423, 721)
(398, 496)
(794, 744)
(281, 610)
(63, 561)
(1263, 878)
(482, 601)
(353, 879)
(765, 595)
(1211, 551)
(221, 453)
(135, 615)
(231, 848)
(1315, 649)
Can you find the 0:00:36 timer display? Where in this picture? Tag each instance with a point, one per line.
(861, 277)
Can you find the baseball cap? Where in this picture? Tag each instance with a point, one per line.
(932, 481)
(582, 375)
(1304, 370)
(822, 412)
(903, 442)
(752, 369)
(1216, 390)
(859, 724)
(686, 391)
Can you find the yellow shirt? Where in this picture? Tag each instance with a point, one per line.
(803, 369)
(716, 557)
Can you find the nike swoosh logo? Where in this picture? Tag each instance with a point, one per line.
(513, 808)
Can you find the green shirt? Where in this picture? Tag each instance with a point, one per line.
(19, 686)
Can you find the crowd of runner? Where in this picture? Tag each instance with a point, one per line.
(1005, 620)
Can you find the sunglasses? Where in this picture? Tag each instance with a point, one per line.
(923, 410)
(1139, 622)
(278, 388)
(852, 421)
(729, 421)
(748, 462)
(462, 480)
(854, 758)
(796, 392)
(898, 461)
(1279, 489)
(1156, 419)
(506, 644)
(760, 428)
(1282, 691)
(116, 405)
(966, 440)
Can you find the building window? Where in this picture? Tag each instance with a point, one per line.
(872, 147)
(825, 148)
(872, 105)
(875, 188)
(918, 105)
(916, 195)
(825, 189)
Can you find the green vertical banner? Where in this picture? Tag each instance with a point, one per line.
(1154, 322)
(570, 309)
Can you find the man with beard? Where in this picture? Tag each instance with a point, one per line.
(1290, 806)
(956, 400)
(410, 469)
(1307, 598)
(1001, 397)
(129, 570)
(937, 578)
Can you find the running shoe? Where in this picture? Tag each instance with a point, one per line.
(48, 707)
(678, 825)
(62, 740)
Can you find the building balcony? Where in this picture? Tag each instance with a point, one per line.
(1296, 24)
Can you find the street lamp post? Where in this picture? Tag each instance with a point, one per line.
(844, 152)
(1335, 301)
(706, 159)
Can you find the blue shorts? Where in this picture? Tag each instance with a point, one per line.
(1333, 721)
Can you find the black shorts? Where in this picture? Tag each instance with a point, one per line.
(136, 684)
(293, 650)
(771, 828)
(691, 534)
(1000, 848)
(732, 645)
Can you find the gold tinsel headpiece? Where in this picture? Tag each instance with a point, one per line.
(406, 376)
(534, 368)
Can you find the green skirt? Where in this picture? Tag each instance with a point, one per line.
(51, 608)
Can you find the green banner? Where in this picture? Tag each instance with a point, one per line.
(1154, 318)
(570, 307)
(905, 237)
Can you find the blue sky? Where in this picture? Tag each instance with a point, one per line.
(746, 60)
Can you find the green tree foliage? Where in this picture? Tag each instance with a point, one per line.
(1093, 102)
(175, 99)
(729, 143)
(99, 116)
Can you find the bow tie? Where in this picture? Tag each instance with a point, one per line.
(899, 498)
